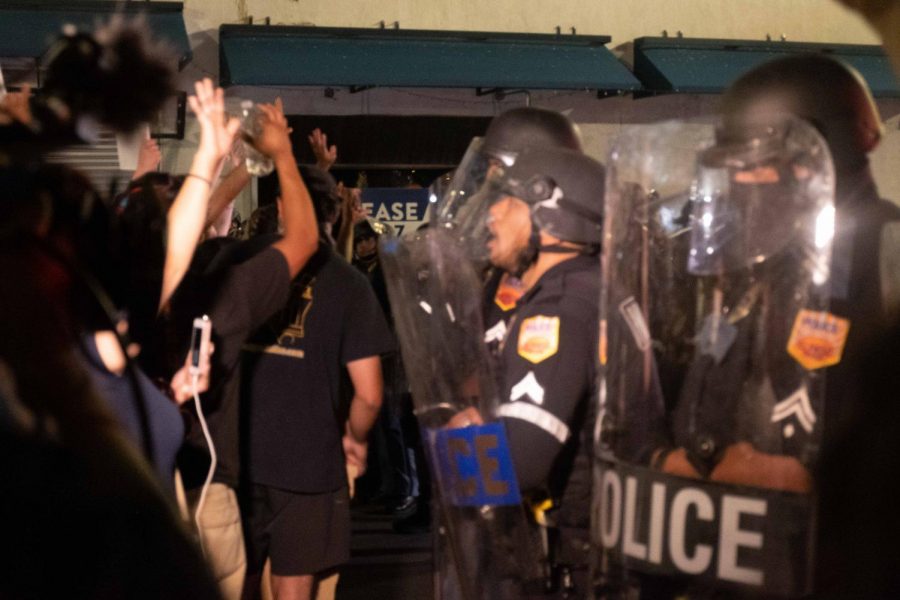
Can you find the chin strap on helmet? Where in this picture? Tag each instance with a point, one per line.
(530, 253)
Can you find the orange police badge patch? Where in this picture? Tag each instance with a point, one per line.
(817, 339)
(538, 338)
(508, 293)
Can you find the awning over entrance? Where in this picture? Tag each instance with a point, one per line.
(28, 27)
(708, 66)
(323, 56)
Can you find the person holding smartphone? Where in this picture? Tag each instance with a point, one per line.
(239, 285)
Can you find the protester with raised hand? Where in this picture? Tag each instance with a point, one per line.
(239, 285)
(157, 247)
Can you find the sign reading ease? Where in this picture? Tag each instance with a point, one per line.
(475, 466)
(721, 535)
(403, 208)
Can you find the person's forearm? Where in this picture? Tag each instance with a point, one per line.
(301, 232)
(185, 222)
(344, 240)
(226, 192)
(363, 413)
(744, 465)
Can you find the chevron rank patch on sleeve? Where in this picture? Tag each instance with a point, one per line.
(528, 388)
(798, 406)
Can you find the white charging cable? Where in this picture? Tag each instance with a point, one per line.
(212, 457)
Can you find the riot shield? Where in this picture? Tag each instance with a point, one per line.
(714, 331)
(486, 547)
(463, 205)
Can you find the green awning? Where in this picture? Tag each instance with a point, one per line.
(28, 27)
(709, 66)
(317, 56)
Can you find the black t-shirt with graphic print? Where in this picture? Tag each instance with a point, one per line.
(239, 285)
(292, 376)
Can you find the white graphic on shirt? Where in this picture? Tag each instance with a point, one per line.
(530, 387)
(796, 404)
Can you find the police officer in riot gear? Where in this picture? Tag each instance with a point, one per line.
(546, 224)
(717, 270)
(508, 135)
(834, 98)
(726, 425)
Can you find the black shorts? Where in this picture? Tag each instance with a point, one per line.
(303, 534)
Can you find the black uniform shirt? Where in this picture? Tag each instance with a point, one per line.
(549, 364)
(548, 361)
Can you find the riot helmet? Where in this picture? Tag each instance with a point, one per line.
(461, 206)
(515, 130)
(752, 196)
(563, 190)
(824, 91)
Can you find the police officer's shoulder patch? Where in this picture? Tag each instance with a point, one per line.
(538, 338)
(508, 293)
(817, 339)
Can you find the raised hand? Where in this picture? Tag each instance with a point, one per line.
(274, 140)
(217, 130)
(352, 208)
(325, 156)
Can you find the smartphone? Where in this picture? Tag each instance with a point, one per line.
(200, 336)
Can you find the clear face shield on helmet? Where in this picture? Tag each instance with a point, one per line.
(462, 205)
(751, 199)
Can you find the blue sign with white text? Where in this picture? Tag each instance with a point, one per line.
(403, 208)
(475, 465)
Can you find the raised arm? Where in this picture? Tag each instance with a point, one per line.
(225, 193)
(301, 232)
(325, 156)
(343, 241)
(187, 216)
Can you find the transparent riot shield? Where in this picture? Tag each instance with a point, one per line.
(487, 548)
(714, 332)
(463, 205)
